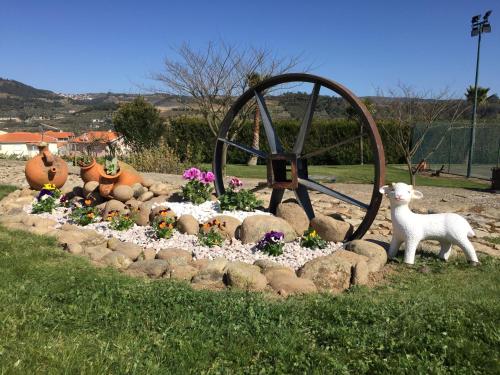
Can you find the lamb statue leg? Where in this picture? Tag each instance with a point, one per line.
(445, 252)
(394, 247)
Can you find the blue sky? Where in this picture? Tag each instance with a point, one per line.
(90, 46)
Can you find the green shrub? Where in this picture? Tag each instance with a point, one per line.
(192, 140)
(159, 159)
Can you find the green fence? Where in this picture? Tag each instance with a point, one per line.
(449, 147)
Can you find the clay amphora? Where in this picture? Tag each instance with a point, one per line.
(91, 171)
(45, 168)
(107, 181)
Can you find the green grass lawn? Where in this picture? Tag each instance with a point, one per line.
(59, 314)
(360, 174)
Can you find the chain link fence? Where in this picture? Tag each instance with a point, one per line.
(447, 148)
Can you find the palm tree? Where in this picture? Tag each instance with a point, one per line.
(254, 79)
(482, 94)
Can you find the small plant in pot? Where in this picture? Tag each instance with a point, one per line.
(84, 160)
(109, 176)
(111, 166)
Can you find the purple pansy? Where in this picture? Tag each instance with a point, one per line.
(43, 192)
(270, 238)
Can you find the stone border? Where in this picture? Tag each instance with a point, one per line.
(332, 273)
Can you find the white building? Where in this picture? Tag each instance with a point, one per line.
(24, 144)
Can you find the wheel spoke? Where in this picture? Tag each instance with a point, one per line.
(323, 189)
(272, 137)
(247, 149)
(306, 121)
(305, 202)
(276, 197)
(328, 148)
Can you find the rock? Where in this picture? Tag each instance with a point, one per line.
(331, 229)
(37, 221)
(159, 189)
(4, 219)
(123, 193)
(138, 189)
(159, 199)
(174, 253)
(67, 226)
(147, 182)
(187, 224)
(117, 260)
(147, 195)
(287, 283)
(377, 257)
(74, 248)
(152, 268)
(127, 248)
(295, 215)
(147, 254)
(200, 263)
(266, 266)
(65, 237)
(96, 252)
(359, 265)
(211, 275)
(141, 215)
(245, 276)
(133, 204)
(180, 272)
(41, 231)
(156, 211)
(90, 187)
(27, 192)
(113, 205)
(255, 227)
(231, 227)
(328, 274)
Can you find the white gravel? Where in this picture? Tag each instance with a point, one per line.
(294, 256)
(205, 211)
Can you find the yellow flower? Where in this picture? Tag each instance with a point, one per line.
(162, 225)
(88, 202)
(91, 215)
(313, 233)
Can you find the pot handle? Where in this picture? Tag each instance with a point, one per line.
(47, 155)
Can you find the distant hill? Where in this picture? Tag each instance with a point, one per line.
(10, 87)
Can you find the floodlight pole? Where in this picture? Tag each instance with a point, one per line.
(474, 110)
(478, 26)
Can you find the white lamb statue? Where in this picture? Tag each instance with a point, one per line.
(411, 228)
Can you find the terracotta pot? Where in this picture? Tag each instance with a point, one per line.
(129, 175)
(107, 181)
(90, 172)
(45, 168)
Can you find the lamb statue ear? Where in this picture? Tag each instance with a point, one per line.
(384, 189)
(417, 194)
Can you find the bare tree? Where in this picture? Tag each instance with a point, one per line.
(214, 77)
(407, 109)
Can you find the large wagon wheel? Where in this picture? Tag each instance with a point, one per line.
(277, 159)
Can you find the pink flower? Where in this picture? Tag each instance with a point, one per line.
(207, 177)
(192, 174)
(235, 183)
